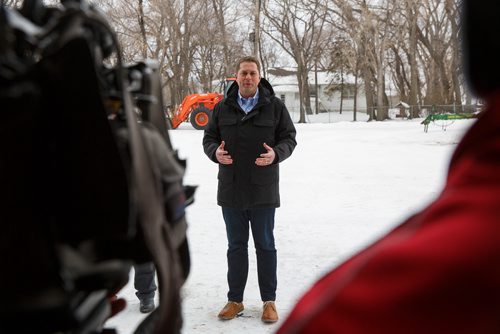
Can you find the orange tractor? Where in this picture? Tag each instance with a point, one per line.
(198, 107)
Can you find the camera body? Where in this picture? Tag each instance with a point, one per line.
(84, 196)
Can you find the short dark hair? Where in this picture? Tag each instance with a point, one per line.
(247, 59)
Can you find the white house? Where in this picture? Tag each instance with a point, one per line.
(284, 82)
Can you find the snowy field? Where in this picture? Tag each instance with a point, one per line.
(346, 184)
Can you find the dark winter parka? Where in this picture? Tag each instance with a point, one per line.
(243, 184)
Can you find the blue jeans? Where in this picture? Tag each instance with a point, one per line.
(237, 229)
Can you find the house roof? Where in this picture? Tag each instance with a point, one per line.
(287, 77)
(284, 88)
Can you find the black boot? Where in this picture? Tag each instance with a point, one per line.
(147, 305)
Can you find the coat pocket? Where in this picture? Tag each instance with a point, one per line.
(263, 131)
(265, 175)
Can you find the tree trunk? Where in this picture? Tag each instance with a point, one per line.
(451, 11)
(355, 105)
(400, 81)
(370, 108)
(302, 118)
(218, 8)
(412, 54)
(341, 89)
(144, 46)
(382, 112)
(306, 92)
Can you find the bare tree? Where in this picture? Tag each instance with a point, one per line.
(298, 27)
(360, 26)
(452, 12)
(412, 10)
(435, 37)
(158, 29)
(344, 53)
(382, 41)
(142, 27)
(125, 22)
(414, 43)
(190, 39)
(424, 51)
(220, 7)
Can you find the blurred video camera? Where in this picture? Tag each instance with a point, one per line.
(89, 181)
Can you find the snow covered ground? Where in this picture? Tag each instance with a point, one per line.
(346, 184)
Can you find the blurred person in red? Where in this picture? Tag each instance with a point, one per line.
(439, 271)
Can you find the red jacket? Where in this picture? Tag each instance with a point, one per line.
(438, 272)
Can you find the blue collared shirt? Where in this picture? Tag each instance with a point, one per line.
(248, 104)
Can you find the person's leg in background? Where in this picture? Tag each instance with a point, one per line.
(145, 286)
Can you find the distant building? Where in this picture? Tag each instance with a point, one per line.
(284, 82)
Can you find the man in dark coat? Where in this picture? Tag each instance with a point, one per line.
(249, 134)
(438, 272)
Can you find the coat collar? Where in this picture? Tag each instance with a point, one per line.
(266, 91)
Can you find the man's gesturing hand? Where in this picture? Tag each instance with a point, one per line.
(266, 158)
(222, 156)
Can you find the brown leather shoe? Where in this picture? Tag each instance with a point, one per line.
(269, 313)
(231, 310)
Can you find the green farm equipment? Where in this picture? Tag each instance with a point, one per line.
(446, 119)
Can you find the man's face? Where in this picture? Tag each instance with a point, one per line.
(248, 78)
